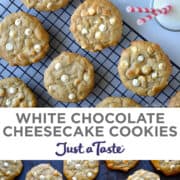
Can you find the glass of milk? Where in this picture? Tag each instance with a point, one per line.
(169, 21)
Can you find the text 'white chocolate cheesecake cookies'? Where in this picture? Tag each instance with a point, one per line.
(69, 78)
(46, 5)
(15, 93)
(43, 172)
(80, 170)
(10, 169)
(144, 68)
(96, 25)
(23, 40)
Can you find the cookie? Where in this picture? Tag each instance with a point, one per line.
(122, 165)
(143, 174)
(144, 68)
(80, 170)
(23, 40)
(15, 93)
(168, 167)
(10, 169)
(69, 78)
(96, 25)
(43, 172)
(118, 102)
(46, 5)
(175, 100)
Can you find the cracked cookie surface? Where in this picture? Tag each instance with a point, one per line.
(43, 172)
(96, 25)
(122, 165)
(23, 40)
(143, 174)
(15, 93)
(69, 78)
(46, 5)
(80, 170)
(167, 167)
(10, 169)
(144, 68)
(118, 102)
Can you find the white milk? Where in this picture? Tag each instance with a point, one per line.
(172, 20)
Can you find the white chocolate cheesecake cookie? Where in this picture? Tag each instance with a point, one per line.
(15, 93)
(69, 78)
(122, 165)
(168, 167)
(23, 40)
(43, 172)
(45, 5)
(80, 170)
(10, 169)
(96, 25)
(144, 68)
(118, 102)
(143, 175)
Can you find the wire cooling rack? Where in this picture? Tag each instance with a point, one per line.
(105, 62)
(107, 78)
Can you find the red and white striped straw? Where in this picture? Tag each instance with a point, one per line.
(163, 10)
(149, 17)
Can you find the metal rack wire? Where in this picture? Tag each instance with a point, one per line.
(105, 62)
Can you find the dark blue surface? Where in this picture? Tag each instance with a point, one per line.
(104, 173)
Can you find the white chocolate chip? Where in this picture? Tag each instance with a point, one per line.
(140, 58)
(69, 162)
(11, 33)
(2, 92)
(49, 5)
(78, 166)
(17, 22)
(20, 95)
(64, 78)
(8, 172)
(37, 47)
(6, 164)
(124, 64)
(172, 166)
(74, 178)
(91, 11)
(112, 20)
(57, 66)
(28, 32)
(9, 47)
(12, 90)
(41, 177)
(8, 102)
(102, 27)
(161, 66)
(135, 82)
(98, 35)
(89, 174)
(84, 31)
(86, 77)
(71, 96)
(154, 75)
(134, 49)
(146, 69)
